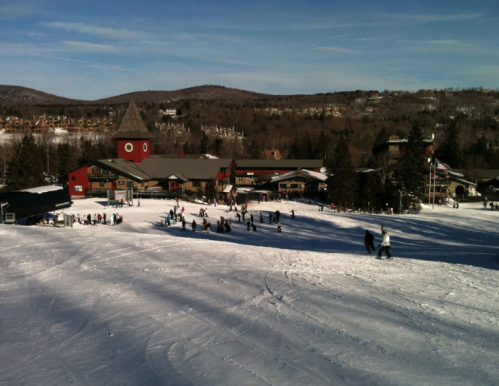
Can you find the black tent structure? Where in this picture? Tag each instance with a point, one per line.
(30, 203)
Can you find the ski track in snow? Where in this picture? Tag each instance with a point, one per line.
(140, 304)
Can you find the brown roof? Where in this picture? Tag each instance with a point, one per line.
(190, 169)
(132, 126)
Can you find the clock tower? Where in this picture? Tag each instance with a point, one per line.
(133, 137)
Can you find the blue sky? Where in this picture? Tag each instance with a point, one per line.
(95, 49)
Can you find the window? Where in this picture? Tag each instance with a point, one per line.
(196, 184)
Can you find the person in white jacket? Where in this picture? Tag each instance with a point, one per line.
(385, 245)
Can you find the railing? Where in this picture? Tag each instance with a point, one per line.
(102, 177)
(159, 193)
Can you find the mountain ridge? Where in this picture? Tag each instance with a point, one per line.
(11, 94)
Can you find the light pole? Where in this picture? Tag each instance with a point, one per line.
(429, 181)
(2, 206)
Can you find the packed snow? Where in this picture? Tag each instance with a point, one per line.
(140, 304)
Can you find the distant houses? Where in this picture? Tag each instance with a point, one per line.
(55, 124)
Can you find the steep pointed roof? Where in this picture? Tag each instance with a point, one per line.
(132, 126)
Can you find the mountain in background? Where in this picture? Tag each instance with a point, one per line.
(12, 95)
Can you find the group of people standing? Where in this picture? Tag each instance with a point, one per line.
(98, 218)
(491, 204)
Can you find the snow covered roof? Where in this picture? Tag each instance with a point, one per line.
(300, 173)
(43, 189)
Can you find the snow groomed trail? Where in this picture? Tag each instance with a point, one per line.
(138, 304)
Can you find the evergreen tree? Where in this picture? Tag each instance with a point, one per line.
(381, 137)
(254, 150)
(67, 161)
(341, 183)
(26, 168)
(305, 150)
(294, 150)
(203, 147)
(210, 190)
(370, 191)
(413, 172)
(88, 153)
(481, 148)
(217, 146)
(323, 146)
(449, 150)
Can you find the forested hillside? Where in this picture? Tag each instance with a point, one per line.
(463, 122)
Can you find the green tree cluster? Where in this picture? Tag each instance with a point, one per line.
(26, 168)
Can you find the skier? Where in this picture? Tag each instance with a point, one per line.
(183, 223)
(279, 227)
(292, 214)
(261, 218)
(194, 225)
(206, 225)
(385, 245)
(369, 242)
(277, 215)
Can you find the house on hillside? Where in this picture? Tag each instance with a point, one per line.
(271, 154)
(299, 181)
(396, 147)
(253, 172)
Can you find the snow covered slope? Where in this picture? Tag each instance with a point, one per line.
(138, 304)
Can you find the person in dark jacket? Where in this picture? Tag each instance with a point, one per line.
(369, 242)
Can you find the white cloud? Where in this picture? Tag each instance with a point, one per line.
(92, 47)
(105, 32)
(339, 50)
(430, 18)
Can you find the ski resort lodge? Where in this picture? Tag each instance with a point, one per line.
(148, 175)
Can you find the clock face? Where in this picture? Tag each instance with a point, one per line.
(128, 147)
(144, 146)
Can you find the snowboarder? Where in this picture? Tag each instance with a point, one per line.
(194, 225)
(279, 230)
(369, 242)
(385, 245)
(277, 215)
(292, 214)
(261, 218)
